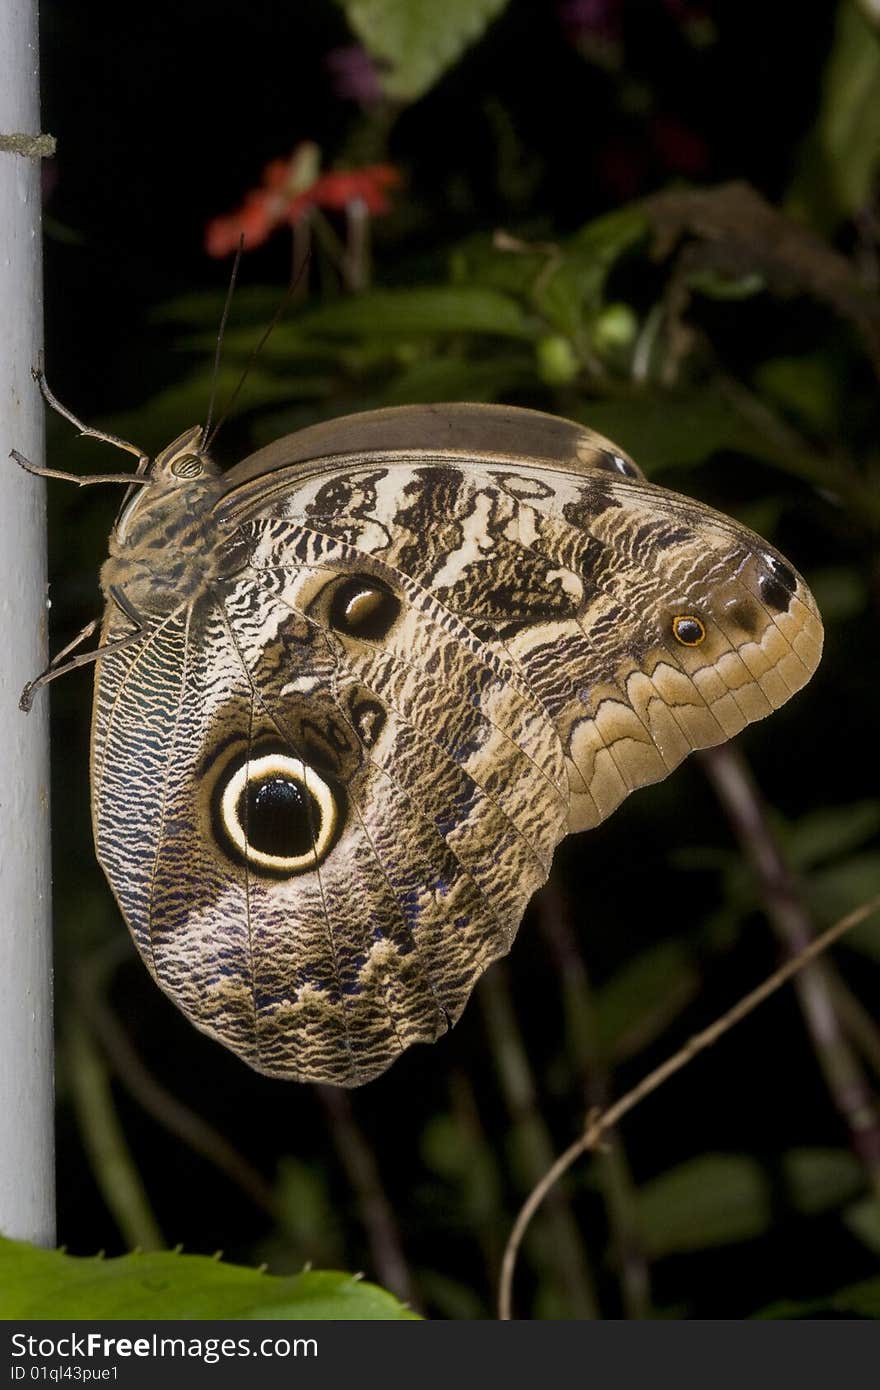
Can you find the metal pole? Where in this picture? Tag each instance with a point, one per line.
(27, 1187)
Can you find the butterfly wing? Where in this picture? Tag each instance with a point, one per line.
(327, 784)
(320, 838)
(646, 624)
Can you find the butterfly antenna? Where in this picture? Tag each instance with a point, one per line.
(264, 338)
(221, 333)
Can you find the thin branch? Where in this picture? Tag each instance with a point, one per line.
(585, 1050)
(377, 1214)
(783, 901)
(860, 1024)
(570, 1268)
(599, 1124)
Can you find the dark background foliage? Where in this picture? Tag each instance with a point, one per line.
(738, 1187)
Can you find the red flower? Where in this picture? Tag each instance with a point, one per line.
(338, 189)
(290, 188)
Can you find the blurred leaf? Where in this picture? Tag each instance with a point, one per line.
(432, 309)
(186, 402)
(442, 1148)
(819, 1180)
(719, 1199)
(717, 284)
(639, 987)
(459, 1156)
(715, 1199)
(839, 160)
(252, 305)
(451, 1298)
(831, 832)
(804, 386)
(563, 281)
(855, 1301)
(841, 593)
(50, 1284)
(415, 41)
(863, 1220)
(834, 891)
(456, 379)
(680, 429)
(600, 243)
(306, 1212)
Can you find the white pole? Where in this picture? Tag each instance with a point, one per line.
(27, 1186)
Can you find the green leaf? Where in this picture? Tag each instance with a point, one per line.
(834, 891)
(831, 832)
(719, 284)
(804, 386)
(456, 379)
(38, 1283)
(839, 591)
(857, 1300)
(840, 157)
(673, 429)
(662, 973)
(818, 1180)
(415, 41)
(719, 1199)
(863, 1219)
(563, 282)
(715, 1199)
(408, 313)
(600, 243)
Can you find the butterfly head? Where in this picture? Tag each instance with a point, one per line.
(181, 483)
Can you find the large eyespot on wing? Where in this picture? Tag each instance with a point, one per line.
(455, 804)
(276, 813)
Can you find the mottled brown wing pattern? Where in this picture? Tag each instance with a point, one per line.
(392, 662)
(447, 784)
(577, 583)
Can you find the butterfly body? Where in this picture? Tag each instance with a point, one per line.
(386, 664)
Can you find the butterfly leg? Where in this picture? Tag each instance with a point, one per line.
(81, 481)
(52, 401)
(59, 667)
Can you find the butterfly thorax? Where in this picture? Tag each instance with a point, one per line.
(160, 554)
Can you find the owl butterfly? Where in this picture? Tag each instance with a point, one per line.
(354, 691)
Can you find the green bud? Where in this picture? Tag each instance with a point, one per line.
(556, 360)
(615, 329)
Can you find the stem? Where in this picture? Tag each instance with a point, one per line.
(356, 267)
(378, 1217)
(565, 1252)
(585, 1051)
(783, 902)
(599, 1124)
